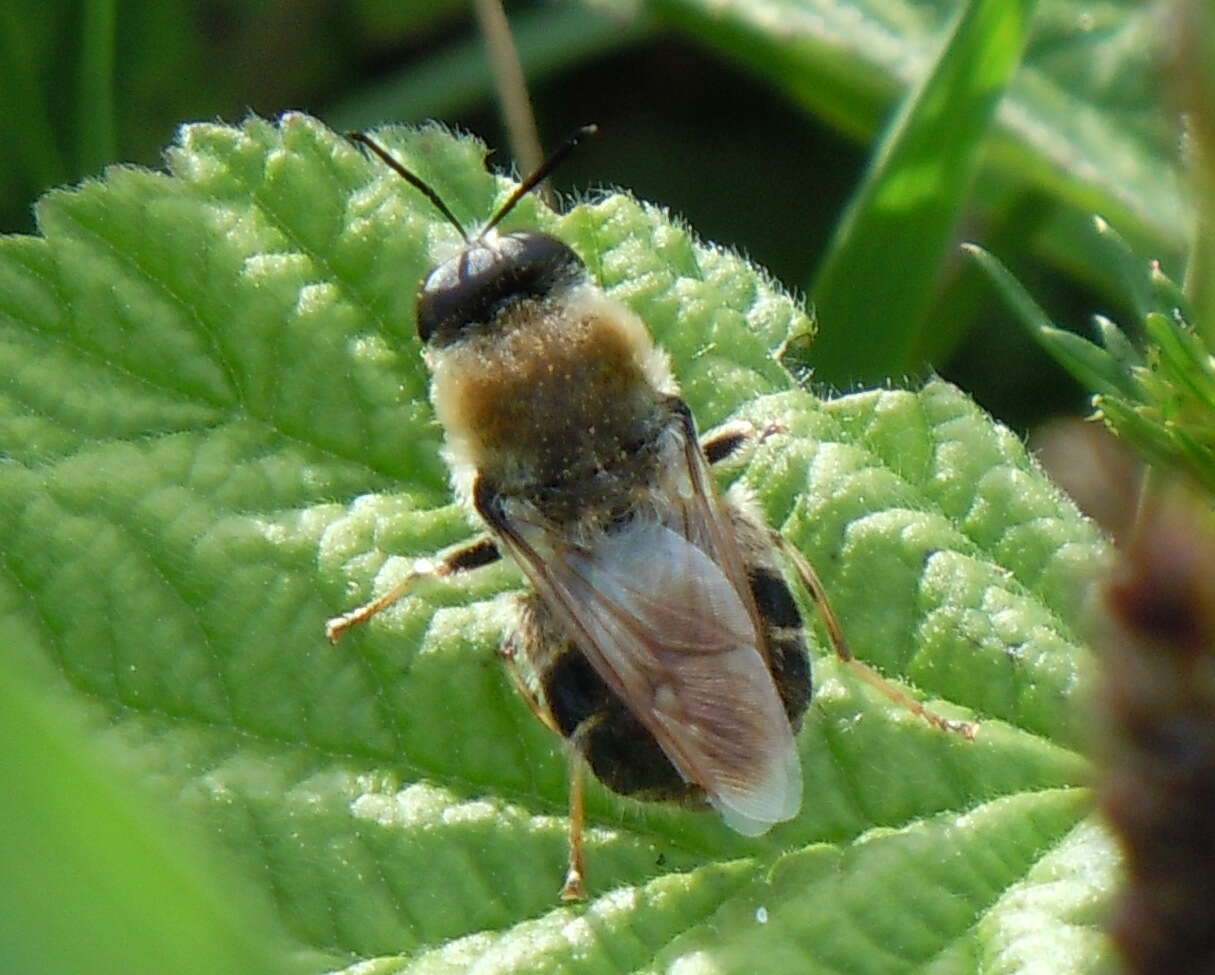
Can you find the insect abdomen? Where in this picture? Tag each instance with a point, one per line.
(789, 663)
(622, 753)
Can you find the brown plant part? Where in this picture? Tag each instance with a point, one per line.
(1096, 469)
(1159, 701)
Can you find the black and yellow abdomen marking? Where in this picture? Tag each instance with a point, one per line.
(620, 750)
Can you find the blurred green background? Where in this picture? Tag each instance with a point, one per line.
(752, 121)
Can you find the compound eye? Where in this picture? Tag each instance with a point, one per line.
(472, 288)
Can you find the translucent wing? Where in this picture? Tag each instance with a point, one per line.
(661, 621)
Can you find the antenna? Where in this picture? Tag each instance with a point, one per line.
(416, 181)
(542, 171)
(552, 162)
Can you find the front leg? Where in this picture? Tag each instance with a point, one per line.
(482, 551)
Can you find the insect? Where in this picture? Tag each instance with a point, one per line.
(659, 636)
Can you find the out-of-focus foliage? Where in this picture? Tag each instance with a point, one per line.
(1157, 393)
(769, 95)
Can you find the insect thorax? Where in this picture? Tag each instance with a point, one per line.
(556, 403)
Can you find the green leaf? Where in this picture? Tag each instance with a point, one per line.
(97, 878)
(1163, 400)
(872, 290)
(1194, 25)
(98, 118)
(1081, 124)
(216, 435)
(1101, 370)
(34, 159)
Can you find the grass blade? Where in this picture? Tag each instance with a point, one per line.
(874, 285)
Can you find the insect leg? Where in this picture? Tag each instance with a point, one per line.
(726, 441)
(835, 633)
(481, 552)
(533, 644)
(509, 659)
(574, 888)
